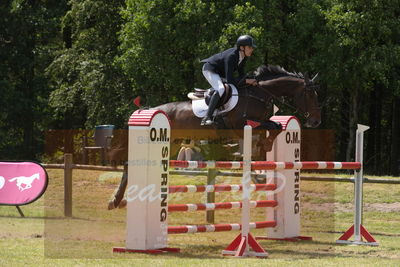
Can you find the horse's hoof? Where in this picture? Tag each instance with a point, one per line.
(268, 148)
(122, 204)
(111, 205)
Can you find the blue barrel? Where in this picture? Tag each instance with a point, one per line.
(105, 127)
(102, 133)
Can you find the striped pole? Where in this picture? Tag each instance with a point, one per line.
(218, 188)
(268, 165)
(305, 165)
(217, 227)
(220, 205)
(206, 164)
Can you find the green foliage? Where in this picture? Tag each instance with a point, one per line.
(247, 19)
(362, 36)
(27, 45)
(88, 88)
(163, 41)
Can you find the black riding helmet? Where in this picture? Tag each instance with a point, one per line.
(244, 40)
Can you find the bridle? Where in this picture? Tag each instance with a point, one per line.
(247, 94)
(308, 88)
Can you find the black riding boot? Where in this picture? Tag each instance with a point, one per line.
(211, 107)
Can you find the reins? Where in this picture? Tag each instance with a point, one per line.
(266, 101)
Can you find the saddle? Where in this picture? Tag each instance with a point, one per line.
(206, 94)
(201, 98)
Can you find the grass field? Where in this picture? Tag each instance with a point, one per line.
(46, 238)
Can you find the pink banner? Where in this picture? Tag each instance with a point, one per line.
(21, 182)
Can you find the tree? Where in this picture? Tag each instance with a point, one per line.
(163, 42)
(27, 41)
(89, 88)
(361, 33)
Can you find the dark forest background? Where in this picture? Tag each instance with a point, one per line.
(80, 63)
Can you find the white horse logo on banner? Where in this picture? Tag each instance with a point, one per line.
(23, 180)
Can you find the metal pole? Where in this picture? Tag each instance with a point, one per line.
(358, 186)
(68, 185)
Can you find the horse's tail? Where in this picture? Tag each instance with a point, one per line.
(13, 179)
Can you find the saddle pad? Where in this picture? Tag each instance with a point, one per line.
(21, 182)
(200, 107)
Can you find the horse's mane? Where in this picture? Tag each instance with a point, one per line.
(267, 72)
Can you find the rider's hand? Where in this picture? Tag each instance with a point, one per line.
(251, 81)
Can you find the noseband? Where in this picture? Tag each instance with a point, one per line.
(309, 88)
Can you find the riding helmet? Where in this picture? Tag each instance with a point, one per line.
(244, 40)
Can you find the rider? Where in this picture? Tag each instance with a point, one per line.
(223, 65)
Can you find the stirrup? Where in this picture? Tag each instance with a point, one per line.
(206, 121)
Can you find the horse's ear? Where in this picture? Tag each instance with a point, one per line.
(314, 79)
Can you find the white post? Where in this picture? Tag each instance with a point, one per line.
(358, 185)
(147, 190)
(287, 214)
(246, 179)
(240, 246)
(357, 229)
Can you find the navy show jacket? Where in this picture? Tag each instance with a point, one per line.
(225, 64)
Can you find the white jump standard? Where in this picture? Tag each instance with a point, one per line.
(357, 228)
(147, 190)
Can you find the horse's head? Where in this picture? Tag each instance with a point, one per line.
(306, 100)
(276, 81)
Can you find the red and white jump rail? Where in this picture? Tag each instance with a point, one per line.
(218, 188)
(182, 229)
(268, 165)
(220, 205)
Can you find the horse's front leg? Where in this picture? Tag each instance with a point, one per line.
(272, 134)
(266, 141)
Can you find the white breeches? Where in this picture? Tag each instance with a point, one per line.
(215, 81)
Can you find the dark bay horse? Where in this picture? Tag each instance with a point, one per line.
(255, 102)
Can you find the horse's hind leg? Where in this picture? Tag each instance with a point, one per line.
(118, 195)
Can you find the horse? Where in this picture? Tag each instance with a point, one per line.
(23, 180)
(255, 103)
